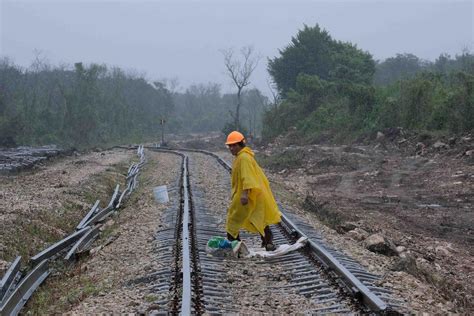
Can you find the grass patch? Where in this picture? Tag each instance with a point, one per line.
(150, 298)
(65, 288)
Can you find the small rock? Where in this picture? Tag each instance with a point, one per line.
(109, 223)
(400, 249)
(4, 265)
(405, 263)
(379, 244)
(345, 227)
(358, 234)
(153, 307)
(420, 149)
(469, 153)
(380, 136)
(443, 250)
(95, 250)
(440, 145)
(401, 141)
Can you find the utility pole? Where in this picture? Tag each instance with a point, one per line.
(162, 123)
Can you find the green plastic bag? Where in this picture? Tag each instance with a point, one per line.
(217, 242)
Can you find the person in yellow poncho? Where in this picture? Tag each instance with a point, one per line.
(252, 205)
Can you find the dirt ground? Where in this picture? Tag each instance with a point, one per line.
(44, 204)
(419, 197)
(416, 191)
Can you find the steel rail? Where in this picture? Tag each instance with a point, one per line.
(119, 203)
(186, 296)
(187, 293)
(115, 195)
(86, 239)
(15, 302)
(100, 216)
(88, 216)
(58, 246)
(7, 282)
(358, 289)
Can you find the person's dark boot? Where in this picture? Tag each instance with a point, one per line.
(267, 240)
(231, 238)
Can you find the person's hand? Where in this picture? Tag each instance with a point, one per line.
(244, 199)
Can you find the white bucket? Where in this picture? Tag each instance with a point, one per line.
(161, 194)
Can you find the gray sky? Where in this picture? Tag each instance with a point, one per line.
(182, 39)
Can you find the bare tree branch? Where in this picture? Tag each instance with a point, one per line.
(275, 95)
(239, 71)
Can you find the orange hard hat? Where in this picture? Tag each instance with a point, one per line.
(234, 138)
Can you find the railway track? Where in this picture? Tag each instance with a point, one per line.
(315, 279)
(193, 282)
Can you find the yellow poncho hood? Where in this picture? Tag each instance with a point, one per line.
(261, 209)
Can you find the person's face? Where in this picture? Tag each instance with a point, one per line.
(234, 149)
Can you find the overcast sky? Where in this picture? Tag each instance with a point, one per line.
(182, 39)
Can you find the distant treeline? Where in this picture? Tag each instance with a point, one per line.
(333, 90)
(94, 105)
(325, 89)
(80, 107)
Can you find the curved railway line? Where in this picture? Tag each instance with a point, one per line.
(190, 281)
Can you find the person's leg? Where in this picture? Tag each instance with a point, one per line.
(267, 240)
(231, 238)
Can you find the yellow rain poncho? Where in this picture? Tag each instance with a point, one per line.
(261, 209)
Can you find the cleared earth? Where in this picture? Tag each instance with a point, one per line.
(421, 202)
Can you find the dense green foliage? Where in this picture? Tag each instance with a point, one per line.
(329, 91)
(314, 52)
(429, 101)
(83, 107)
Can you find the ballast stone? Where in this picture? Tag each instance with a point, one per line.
(379, 244)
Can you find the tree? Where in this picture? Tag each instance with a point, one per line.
(325, 85)
(313, 52)
(402, 66)
(255, 103)
(239, 72)
(276, 97)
